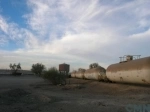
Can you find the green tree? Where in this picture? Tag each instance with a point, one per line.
(14, 68)
(38, 68)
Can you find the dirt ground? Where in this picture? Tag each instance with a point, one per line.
(34, 94)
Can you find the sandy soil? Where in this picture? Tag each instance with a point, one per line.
(33, 94)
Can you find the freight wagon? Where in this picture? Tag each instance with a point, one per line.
(131, 70)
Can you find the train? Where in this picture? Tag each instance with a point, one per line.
(128, 70)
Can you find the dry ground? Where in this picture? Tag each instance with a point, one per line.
(33, 94)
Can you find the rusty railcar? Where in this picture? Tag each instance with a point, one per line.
(130, 71)
(98, 73)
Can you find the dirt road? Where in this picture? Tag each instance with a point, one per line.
(33, 94)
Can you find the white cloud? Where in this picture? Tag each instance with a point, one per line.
(80, 32)
(10, 29)
(3, 25)
(142, 35)
(3, 40)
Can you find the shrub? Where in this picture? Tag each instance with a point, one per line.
(54, 76)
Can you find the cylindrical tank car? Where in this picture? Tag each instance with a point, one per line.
(80, 73)
(130, 71)
(98, 73)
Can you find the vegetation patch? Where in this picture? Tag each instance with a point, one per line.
(54, 76)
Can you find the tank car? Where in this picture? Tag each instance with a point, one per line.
(98, 73)
(79, 73)
(130, 71)
(73, 74)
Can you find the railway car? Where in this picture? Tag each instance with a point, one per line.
(73, 74)
(78, 74)
(130, 71)
(98, 73)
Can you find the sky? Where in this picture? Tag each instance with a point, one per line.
(76, 32)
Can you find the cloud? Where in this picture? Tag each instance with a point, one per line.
(3, 25)
(142, 35)
(10, 29)
(3, 40)
(12, 32)
(79, 32)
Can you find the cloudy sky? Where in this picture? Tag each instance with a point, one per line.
(77, 32)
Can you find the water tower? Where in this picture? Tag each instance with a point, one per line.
(64, 68)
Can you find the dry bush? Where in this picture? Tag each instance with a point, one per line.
(54, 76)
